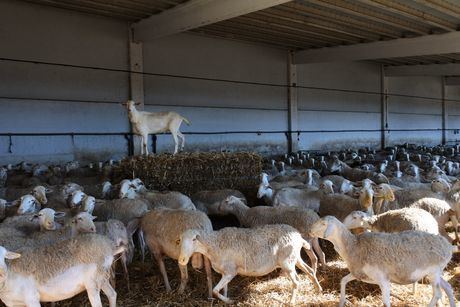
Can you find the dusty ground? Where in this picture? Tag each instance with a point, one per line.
(147, 288)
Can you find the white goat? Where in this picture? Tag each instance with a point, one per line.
(145, 123)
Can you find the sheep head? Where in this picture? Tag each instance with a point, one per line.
(5, 254)
(356, 219)
(83, 223)
(440, 185)
(384, 191)
(39, 192)
(190, 243)
(366, 197)
(28, 204)
(326, 228)
(46, 218)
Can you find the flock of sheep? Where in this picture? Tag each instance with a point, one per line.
(385, 213)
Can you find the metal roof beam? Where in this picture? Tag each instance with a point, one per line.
(409, 12)
(196, 13)
(396, 48)
(341, 19)
(423, 70)
(356, 10)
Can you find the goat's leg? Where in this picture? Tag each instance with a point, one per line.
(145, 141)
(182, 137)
(176, 141)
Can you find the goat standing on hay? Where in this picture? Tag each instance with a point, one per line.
(145, 123)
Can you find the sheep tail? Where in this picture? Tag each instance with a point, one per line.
(186, 121)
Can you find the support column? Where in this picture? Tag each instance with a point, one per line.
(136, 81)
(444, 112)
(384, 108)
(293, 143)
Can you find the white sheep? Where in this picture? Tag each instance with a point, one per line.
(208, 200)
(381, 258)
(441, 211)
(145, 123)
(340, 205)
(249, 252)
(393, 221)
(162, 228)
(125, 210)
(300, 219)
(59, 271)
(302, 198)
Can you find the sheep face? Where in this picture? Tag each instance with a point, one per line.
(39, 192)
(88, 203)
(83, 222)
(76, 199)
(28, 204)
(228, 204)
(189, 244)
(264, 178)
(5, 254)
(440, 185)
(106, 188)
(327, 187)
(127, 189)
(336, 166)
(325, 227)
(355, 220)
(384, 191)
(69, 188)
(138, 185)
(264, 190)
(46, 218)
(346, 187)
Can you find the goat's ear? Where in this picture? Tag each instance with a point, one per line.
(12, 255)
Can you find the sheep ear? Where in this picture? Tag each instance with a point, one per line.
(12, 203)
(48, 190)
(59, 214)
(93, 217)
(137, 104)
(132, 226)
(35, 216)
(12, 255)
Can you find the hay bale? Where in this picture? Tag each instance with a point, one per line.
(192, 172)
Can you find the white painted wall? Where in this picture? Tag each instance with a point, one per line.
(34, 32)
(219, 106)
(415, 113)
(29, 31)
(328, 110)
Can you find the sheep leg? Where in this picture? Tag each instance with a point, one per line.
(295, 283)
(343, 284)
(125, 269)
(443, 232)
(183, 278)
(226, 278)
(207, 267)
(318, 250)
(94, 295)
(454, 220)
(385, 288)
(448, 289)
(307, 270)
(110, 293)
(436, 285)
(314, 260)
(161, 265)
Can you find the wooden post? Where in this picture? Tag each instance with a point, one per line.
(444, 112)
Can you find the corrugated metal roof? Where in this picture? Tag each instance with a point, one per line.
(304, 24)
